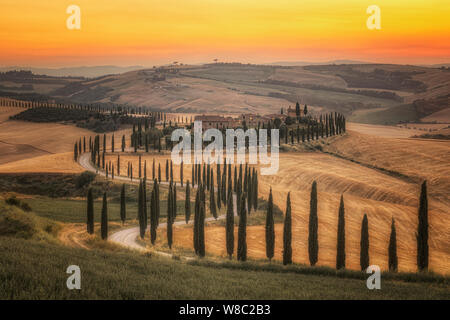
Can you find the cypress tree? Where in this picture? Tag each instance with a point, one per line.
(249, 192)
(174, 206)
(144, 203)
(393, 260)
(212, 201)
(167, 170)
(219, 188)
(235, 180)
(123, 213)
(140, 167)
(181, 173)
(208, 176)
(123, 143)
(422, 230)
(171, 170)
(169, 217)
(201, 231)
(153, 170)
(230, 228)
(340, 251)
(90, 212)
(153, 215)
(145, 169)
(158, 206)
(118, 164)
(75, 152)
(242, 232)
(196, 218)
(287, 233)
(364, 244)
(187, 203)
(270, 229)
(313, 242)
(159, 172)
(104, 221)
(112, 143)
(255, 190)
(141, 210)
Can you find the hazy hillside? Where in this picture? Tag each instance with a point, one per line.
(83, 71)
(369, 93)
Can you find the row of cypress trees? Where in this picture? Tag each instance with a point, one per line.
(104, 215)
(244, 207)
(313, 245)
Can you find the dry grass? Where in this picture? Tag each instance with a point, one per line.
(442, 116)
(365, 191)
(382, 131)
(50, 163)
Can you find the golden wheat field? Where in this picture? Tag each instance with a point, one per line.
(365, 190)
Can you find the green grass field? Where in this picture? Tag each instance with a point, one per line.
(36, 270)
(33, 266)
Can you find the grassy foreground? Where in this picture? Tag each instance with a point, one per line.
(36, 270)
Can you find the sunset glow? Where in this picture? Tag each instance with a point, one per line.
(148, 32)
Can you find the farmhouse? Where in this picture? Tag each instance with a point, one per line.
(217, 122)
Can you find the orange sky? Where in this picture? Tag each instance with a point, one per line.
(148, 32)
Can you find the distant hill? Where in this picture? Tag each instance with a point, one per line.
(370, 93)
(82, 71)
(308, 63)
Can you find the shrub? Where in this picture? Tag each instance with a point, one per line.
(84, 179)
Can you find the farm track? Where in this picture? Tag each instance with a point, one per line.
(128, 237)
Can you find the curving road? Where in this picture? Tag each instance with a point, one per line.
(128, 237)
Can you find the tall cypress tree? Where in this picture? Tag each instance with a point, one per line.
(230, 228)
(90, 212)
(123, 143)
(187, 203)
(422, 230)
(75, 152)
(174, 198)
(170, 217)
(123, 213)
(287, 233)
(393, 259)
(255, 190)
(158, 206)
(104, 221)
(313, 242)
(167, 170)
(153, 215)
(201, 231)
(141, 210)
(144, 204)
(249, 192)
(219, 188)
(270, 229)
(212, 201)
(196, 219)
(181, 173)
(364, 244)
(242, 232)
(159, 172)
(340, 251)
